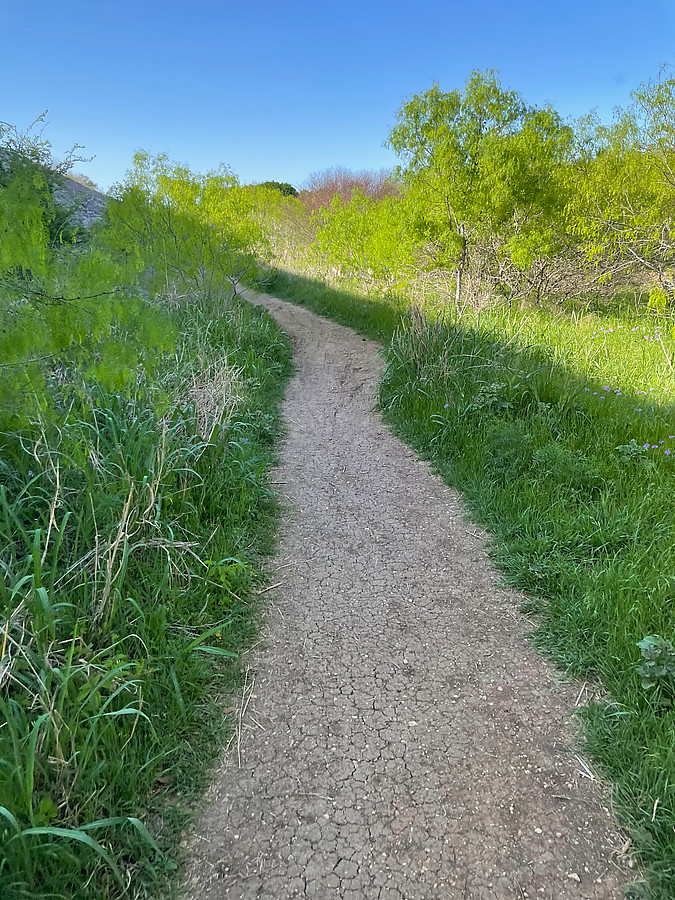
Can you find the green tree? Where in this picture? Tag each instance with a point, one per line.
(367, 238)
(623, 202)
(195, 231)
(482, 162)
(63, 300)
(284, 188)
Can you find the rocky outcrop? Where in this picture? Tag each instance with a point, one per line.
(87, 204)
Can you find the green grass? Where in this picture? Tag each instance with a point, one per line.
(508, 408)
(132, 529)
(375, 319)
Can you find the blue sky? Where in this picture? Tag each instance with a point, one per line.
(278, 90)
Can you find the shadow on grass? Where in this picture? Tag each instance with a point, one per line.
(374, 319)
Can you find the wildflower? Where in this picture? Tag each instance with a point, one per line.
(446, 405)
(607, 389)
(638, 409)
(595, 393)
(646, 446)
(667, 452)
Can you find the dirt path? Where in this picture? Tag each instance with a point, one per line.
(401, 740)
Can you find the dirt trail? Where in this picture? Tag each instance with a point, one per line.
(401, 740)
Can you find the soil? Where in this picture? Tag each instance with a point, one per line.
(400, 739)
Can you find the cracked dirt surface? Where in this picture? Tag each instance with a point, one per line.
(401, 740)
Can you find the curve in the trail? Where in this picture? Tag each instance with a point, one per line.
(401, 739)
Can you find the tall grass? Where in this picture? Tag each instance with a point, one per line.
(559, 428)
(131, 530)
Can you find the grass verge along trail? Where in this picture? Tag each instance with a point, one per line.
(132, 528)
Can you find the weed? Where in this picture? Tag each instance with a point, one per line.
(658, 666)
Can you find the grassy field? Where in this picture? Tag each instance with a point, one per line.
(132, 528)
(558, 425)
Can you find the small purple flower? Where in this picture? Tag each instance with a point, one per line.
(595, 393)
(607, 389)
(446, 405)
(587, 389)
(245, 441)
(655, 446)
(661, 442)
(646, 446)
(638, 409)
(667, 452)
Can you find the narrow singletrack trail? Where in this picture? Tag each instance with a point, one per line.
(400, 739)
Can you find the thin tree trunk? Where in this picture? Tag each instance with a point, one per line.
(460, 273)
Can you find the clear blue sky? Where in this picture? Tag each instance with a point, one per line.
(280, 89)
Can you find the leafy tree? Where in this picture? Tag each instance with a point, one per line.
(283, 220)
(63, 302)
(195, 231)
(623, 203)
(482, 163)
(284, 188)
(370, 239)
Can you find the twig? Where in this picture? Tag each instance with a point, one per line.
(269, 588)
(50, 298)
(245, 700)
(586, 770)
